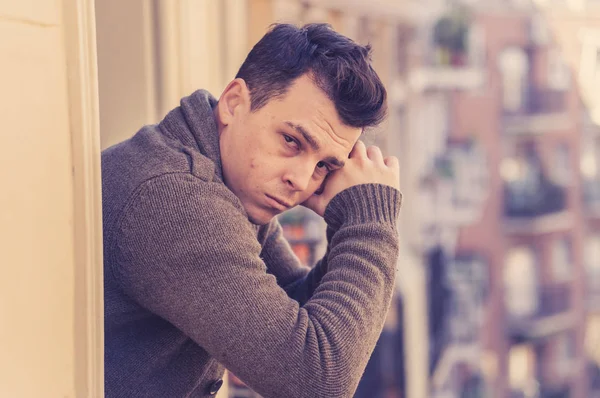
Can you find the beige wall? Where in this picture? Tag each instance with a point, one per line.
(126, 67)
(151, 53)
(36, 232)
(42, 332)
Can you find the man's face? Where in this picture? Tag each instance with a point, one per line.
(277, 157)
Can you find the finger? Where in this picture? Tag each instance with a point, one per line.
(391, 161)
(359, 150)
(374, 153)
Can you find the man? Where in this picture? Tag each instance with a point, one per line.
(198, 277)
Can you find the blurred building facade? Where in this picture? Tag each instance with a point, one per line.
(520, 319)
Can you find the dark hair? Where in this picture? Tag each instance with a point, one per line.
(337, 65)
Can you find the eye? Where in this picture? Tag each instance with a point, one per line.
(323, 167)
(290, 141)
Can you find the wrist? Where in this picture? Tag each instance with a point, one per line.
(364, 203)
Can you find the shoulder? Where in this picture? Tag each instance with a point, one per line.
(178, 223)
(180, 214)
(185, 192)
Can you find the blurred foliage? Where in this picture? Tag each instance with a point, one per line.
(451, 31)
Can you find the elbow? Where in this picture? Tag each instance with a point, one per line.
(336, 379)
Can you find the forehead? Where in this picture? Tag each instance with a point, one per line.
(307, 106)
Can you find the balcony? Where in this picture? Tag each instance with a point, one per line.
(445, 77)
(451, 62)
(551, 315)
(543, 110)
(535, 207)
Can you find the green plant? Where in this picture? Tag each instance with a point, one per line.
(451, 31)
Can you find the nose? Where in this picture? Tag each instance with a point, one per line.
(298, 178)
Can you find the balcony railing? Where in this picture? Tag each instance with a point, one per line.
(541, 101)
(553, 300)
(445, 70)
(545, 101)
(542, 110)
(529, 199)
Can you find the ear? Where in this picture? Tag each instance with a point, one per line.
(235, 101)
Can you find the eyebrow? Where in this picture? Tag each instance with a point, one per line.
(314, 144)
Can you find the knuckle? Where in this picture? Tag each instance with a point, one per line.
(392, 160)
(374, 152)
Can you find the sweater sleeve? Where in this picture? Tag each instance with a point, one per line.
(298, 280)
(187, 253)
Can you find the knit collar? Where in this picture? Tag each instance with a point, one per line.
(193, 124)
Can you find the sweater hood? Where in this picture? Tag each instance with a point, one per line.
(193, 123)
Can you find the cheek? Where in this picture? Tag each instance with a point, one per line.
(258, 164)
(314, 187)
(257, 171)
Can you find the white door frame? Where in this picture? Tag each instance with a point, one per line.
(80, 42)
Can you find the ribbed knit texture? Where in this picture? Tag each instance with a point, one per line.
(191, 286)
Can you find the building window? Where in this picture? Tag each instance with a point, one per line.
(523, 174)
(469, 167)
(514, 66)
(432, 132)
(589, 164)
(590, 62)
(592, 259)
(521, 366)
(468, 280)
(539, 30)
(559, 76)
(520, 282)
(589, 71)
(562, 258)
(403, 36)
(562, 164)
(564, 350)
(477, 46)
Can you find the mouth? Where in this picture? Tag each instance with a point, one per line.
(277, 203)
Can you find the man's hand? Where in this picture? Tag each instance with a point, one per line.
(364, 166)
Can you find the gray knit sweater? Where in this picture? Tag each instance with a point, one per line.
(192, 287)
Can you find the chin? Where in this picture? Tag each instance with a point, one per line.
(260, 220)
(260, 217)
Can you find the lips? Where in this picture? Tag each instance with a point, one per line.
(277, 203)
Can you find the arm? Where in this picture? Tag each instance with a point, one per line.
(297, 280)
(201, 271)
